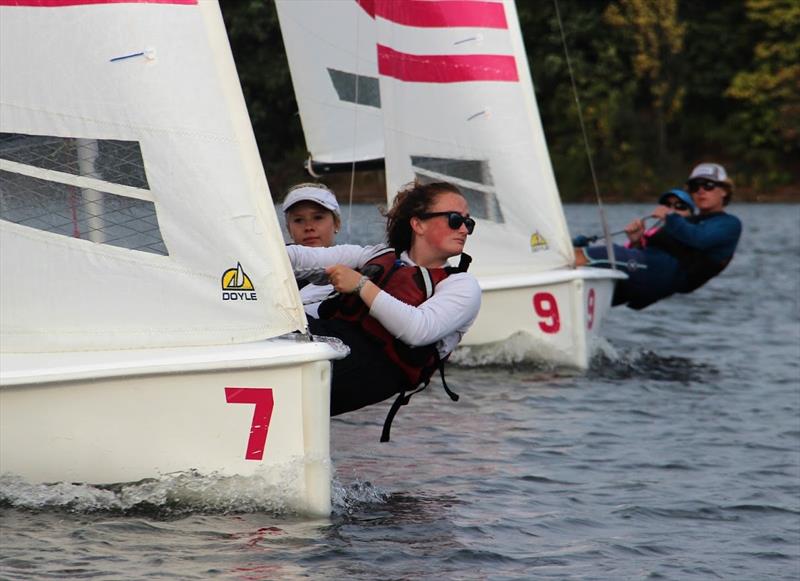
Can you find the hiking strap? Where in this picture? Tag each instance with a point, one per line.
(403, 399)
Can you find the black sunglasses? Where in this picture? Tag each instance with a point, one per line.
(707, 185)
(682, 206)
(454, 220)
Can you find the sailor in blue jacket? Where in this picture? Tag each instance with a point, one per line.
(685, 253)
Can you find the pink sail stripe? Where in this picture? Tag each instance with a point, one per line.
(60, 3)
(368, 6)
(439, 14)
(421, 68)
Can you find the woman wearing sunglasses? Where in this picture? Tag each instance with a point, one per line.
(675, 199)
(685, 253)
(401, 308)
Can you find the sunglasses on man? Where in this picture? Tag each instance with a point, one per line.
(680, 206)
(454, 220)
(707, 185)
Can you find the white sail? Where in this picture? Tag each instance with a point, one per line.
(458, 106)
(184, 197)
(331, 50)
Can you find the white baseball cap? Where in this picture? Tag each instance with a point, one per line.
(318, 195)
(710, 171)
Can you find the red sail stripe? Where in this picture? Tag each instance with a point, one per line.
(60, 3)
(368, 6)
(422, 68)
(439, 14)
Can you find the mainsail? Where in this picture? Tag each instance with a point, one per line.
(458, 105)
(130, 183)
(331, 52)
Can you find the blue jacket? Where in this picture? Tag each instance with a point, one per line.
(716, 235)
(684, 255)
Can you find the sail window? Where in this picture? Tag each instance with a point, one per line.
(82, 188)
(472, 170)
(80, 212)
(358, 89)
(110, 160)
(471, 176)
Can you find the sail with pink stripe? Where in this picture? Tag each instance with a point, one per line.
(336, 62)
(479, 130)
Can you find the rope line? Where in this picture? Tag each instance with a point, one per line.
(600, 207)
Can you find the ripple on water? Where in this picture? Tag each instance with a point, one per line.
(704, 512)
(646, 364)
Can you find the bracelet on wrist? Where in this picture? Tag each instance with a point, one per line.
(361, 282)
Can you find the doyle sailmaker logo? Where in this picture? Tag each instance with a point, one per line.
(237, 286)
(538, 242)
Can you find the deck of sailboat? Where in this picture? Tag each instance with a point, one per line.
(18, 369)
(522, 279)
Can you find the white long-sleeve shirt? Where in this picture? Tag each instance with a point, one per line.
(442, 319)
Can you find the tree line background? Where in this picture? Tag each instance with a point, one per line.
(663, 84)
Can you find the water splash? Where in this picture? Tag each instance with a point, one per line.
(348, 499)
(520, 349)
(168, 496)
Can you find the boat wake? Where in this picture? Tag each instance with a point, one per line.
(179, 495)
(623, 364)
(169, 496)
(519, 350)
(523, 352)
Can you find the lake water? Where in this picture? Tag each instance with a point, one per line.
(676, 456)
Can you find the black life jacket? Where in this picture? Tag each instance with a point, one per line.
(698, 267)
(413, 285)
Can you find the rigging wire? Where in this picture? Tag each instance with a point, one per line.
(604, 222)
(357, 78)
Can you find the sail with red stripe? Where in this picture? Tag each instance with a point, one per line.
(462, 109)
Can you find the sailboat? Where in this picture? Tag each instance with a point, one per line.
(451, 84)
(150, 324)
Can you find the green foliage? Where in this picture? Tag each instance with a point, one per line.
(662, 84)
(768, 90)
(257, 46)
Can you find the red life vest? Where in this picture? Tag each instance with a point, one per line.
(411, 284)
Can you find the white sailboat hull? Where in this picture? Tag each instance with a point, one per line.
(560, 311)
(118, 417)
